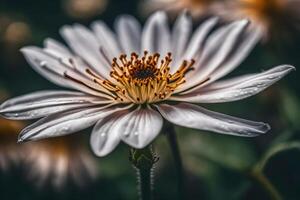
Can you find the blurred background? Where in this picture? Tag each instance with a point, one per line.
(216, 166)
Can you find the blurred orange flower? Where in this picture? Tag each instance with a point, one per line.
(9, 149)
(84, 9)
(274, 18)
(197, 8)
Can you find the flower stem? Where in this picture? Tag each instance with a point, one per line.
(145, 184)
(143, 161)
(171, 135)
(265, 183)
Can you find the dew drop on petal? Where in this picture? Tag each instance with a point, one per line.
(43, 63)
(103, 134)
(65, 129)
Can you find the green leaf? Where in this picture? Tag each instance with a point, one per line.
(281, 166)
(276, 150)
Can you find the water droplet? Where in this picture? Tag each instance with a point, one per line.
(43, 63)
(65, 129)
(136, 133)
(126, 133)
(103, 134)
(272, 77)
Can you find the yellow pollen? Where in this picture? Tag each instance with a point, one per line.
(140, 80)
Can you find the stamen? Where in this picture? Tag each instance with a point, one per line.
(140, 79)
(99, 90)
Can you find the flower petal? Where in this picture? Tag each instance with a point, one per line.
(64, 123)
(156, 34)
(54, 69)
(56, 48)
(104, 138)
(236, 88)
(193, 116)
(42, 103)
(37, 59)
(140, 127)
(64, 55)
(129, 33)
(238, 54)
(137, 128)
(216, 50)
(107, 39)
(196, 43)
(85, 44)
(180, 37)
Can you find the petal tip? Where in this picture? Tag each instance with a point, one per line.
(160, 14)
(21, 139)
(25, 50)
(290, 67)
(244, 22)
(28, 50)
(185, 12)
(100, 153)
(267, 127)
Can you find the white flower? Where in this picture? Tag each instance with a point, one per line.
(127, 98)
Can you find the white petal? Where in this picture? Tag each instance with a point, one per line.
(57, 48)
(193, 116)
(107, 39)
(140, 127)
(54, 69)
(238, 54)
(156, 34)
(43, 103)
(180, 37)
(236, 88)
(37, 59)
(198, 38)
(137, 128)
(215, 51)
(104, 138)
(247, 43)
(85, 44)
(62, 53)
(64, 123)
(129, 33)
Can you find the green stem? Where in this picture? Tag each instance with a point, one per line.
(145, 184)
(143, 161)
(265, 183)
(171, 135)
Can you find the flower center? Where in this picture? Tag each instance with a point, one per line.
(143, 73)
(140, 80)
